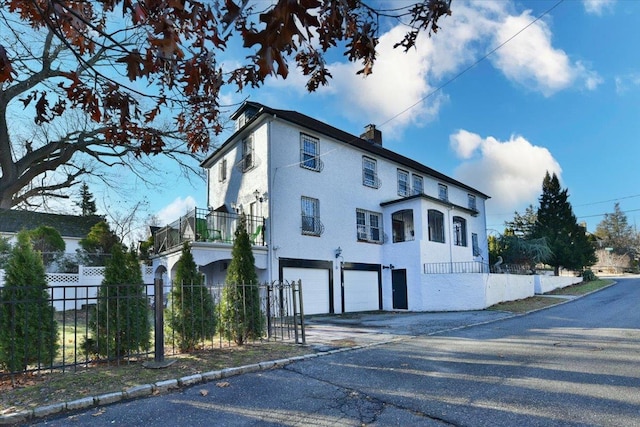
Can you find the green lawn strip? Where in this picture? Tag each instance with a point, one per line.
(31, 391)
(538, 302)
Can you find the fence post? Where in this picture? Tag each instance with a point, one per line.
(269, 309)
(304, 338)
(159, 320)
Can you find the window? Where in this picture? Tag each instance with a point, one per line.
(402, 225)
(369, 226)
(403, 183)
(443, 192)
(247, 154)
(471, 201)
(474, 244)
(310, 152)
(222, 171)
(436, 226)
(311, 224)
(370, 173)
(418, 184)
(459, 231)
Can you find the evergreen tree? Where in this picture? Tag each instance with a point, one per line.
(28, 330)
(120, 323)
(240, 315)
(48, 241)
(87, 204)
(569, 244)
(192, 311)
(615, 232)
(98, 244)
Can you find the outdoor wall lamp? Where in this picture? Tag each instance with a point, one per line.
(259, 197)
(338, 252)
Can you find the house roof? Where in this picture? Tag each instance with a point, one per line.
(339, 135)
(13, 221)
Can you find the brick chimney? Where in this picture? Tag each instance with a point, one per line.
(372, 134)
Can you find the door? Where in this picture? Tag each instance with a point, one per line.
(315, 288)
(361, 291)
(399, 289)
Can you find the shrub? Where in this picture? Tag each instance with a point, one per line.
(192, 312)
(28, 330)
(588, 275)
(120, 321)
(240, 315)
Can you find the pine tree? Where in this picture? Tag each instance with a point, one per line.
(86, 204)
(120, 324)
(240, 315)
(570, 247)
(615, 232)
(98, 244)
(28, 330)
(192, 312)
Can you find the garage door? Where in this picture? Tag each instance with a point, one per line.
(315, 287)
(361, 291)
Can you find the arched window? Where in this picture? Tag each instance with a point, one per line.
(402, 225)
(459, 231)
(436, 226)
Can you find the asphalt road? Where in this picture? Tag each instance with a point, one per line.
(577, 364)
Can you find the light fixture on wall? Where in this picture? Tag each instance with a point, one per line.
(390, 266)
(338, 252)
(259, 196)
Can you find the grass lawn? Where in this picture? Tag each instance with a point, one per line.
(537, 302)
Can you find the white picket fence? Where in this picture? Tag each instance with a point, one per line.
(71, 290)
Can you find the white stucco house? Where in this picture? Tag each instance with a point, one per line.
(359, 224)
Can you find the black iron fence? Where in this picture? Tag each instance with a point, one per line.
(475, 267)
(119, 324)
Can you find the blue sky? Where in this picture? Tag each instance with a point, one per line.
(560, 93)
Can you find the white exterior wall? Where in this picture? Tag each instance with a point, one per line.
(546, 284)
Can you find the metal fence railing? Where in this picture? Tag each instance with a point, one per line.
(475, 267)
(118, 324)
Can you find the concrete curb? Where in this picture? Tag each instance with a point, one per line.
(166, 386)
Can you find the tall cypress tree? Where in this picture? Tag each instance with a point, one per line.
(120, 323)
(192, 312)
(240, 315)
(87, 204)
(558, 225)
(28, 330)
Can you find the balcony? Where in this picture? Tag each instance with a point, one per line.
(203, 225)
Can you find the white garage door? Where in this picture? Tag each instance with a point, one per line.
(315, 287)
(360, 291)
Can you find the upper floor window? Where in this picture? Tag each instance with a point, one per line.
(418, 184)
(248, 160)
(475, 245)
(459, 231)
(222, 171)
(471, 201)
(443, 192)
(311, 224)
(369, 226)
(310, 152)
(402, 225)
(403, 183)
(436, 225)
(370, 173)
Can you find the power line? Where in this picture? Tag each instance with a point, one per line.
(464, 71)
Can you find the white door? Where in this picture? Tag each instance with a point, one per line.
(315, 287)
(360, 291)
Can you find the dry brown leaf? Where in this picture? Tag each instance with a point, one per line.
(223, 384)
(204, 392)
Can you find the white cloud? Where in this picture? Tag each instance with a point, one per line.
(627, 82)
(175, 209)
(530, 59)
(511, 172)
(598, 7)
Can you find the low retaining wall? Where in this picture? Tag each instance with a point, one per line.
(476, 291)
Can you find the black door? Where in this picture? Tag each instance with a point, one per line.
(399, 287)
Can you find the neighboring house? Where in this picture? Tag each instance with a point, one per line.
(358, 223)
(72, 228)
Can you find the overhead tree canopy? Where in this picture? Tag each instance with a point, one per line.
(121, 65)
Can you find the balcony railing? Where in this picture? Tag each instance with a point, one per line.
(203, 225)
